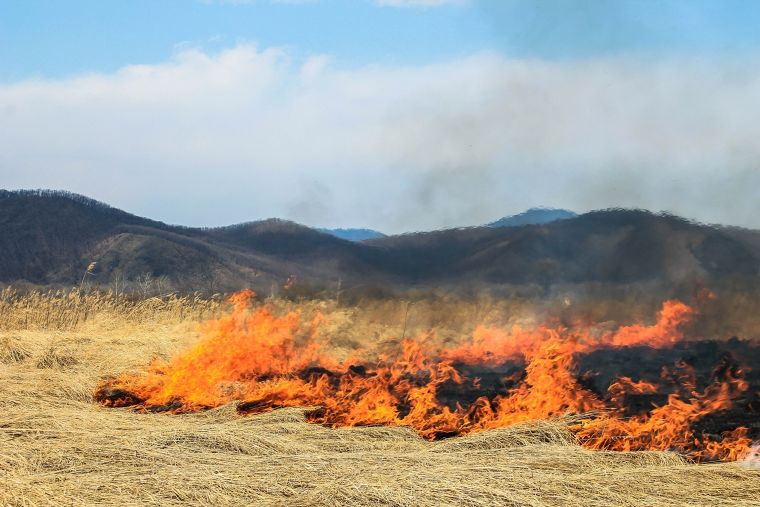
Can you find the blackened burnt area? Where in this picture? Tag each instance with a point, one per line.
(475, 382)
(257, 406)
(745, 413)
(710, 361)
(111, 396)
(480, 382)
(173, 405)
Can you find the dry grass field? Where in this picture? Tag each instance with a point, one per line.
(57, 447)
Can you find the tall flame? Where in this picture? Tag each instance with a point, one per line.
(266, 361)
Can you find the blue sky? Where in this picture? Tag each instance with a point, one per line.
(393, 114)
(53, 38)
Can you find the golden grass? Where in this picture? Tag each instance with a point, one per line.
(68, 309)
(57, 447)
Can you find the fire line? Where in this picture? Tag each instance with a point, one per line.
(644, 386)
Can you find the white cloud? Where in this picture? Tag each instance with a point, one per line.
(246, 133)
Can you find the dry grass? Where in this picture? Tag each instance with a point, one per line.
(69, 309)
(57, 447)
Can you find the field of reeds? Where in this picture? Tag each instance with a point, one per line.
(57, 447)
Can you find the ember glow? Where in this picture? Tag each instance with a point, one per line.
(643, 386)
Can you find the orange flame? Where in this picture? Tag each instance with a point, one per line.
(266, 361)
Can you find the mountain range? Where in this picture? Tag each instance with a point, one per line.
(50, 238)
(531, 216)
(534, 216)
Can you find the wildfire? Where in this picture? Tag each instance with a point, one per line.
(497, 378)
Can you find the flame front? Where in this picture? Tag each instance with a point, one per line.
(497, 378)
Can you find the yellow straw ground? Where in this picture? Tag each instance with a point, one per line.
(57, 447)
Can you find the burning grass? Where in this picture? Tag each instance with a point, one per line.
(496, 379)
(60, 447)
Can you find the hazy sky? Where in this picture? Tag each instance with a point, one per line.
(392, 114)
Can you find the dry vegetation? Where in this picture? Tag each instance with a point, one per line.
(58, 447)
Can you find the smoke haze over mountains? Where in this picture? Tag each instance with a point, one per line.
(214, 138)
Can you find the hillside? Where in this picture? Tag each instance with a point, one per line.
(610, 246)
(50, 238)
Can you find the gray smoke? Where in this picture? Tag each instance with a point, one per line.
(209, 139)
